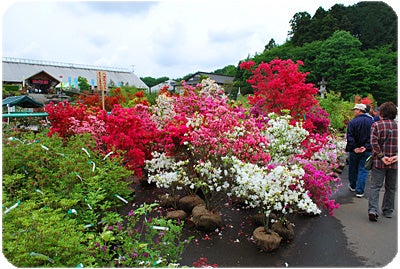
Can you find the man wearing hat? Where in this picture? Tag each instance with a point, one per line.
(359, 148)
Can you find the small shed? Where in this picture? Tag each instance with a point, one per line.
(21, 101)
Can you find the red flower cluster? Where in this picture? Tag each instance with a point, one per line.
(279, 85)
(203, 263)
(131, 131)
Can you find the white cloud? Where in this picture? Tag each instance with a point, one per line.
(167, 38)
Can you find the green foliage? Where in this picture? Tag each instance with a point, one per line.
(151, 97)
(142, 243)
(229, 70)
(35, 235)
(83, 84)
(60, 203)
(339, 111)
(335, 56)
(374, 23)
(11, 90)
(150, 81)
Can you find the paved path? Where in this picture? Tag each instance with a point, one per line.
(348, 239)
(375, 242)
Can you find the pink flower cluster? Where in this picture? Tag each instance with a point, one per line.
(207, 123)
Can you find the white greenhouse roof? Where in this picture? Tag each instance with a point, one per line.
(17, 70)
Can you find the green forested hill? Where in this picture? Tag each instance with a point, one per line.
(373, 23)
(354, 48)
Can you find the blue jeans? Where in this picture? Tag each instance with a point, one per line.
(378, 176)
(357, 173)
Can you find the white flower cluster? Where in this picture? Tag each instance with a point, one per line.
(284, 138)
(333, 150)
(209, 86)
(279, 189)
(195, 121)
(211, 177)
(166, 172)
(162, 110)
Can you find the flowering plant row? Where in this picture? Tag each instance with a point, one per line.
(200, 140)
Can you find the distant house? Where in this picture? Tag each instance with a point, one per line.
(219, 79)
(193, 80)
(43, 76)
(170, 83)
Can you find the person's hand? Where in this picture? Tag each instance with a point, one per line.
(393, 159)
(387, 160)
(359, 150)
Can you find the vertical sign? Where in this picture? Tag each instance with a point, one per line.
(102, 84)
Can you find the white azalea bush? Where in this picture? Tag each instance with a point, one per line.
(276, 189)
(173, 175)
(162, 110)
(284, 139)
(166, 172)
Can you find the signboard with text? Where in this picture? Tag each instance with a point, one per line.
(102, 81)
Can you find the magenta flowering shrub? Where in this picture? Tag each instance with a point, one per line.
(205, 128)
(320, 183)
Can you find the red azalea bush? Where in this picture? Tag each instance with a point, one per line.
(127, 131)
(64, 118)
(131, 131)
(279, 85)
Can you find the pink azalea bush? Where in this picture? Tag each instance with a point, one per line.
(204, 128)
(187, 141)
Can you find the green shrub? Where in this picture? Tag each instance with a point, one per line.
(339, 111)
(39, 236)
(60, 208)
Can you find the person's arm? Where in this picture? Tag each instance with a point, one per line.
(376, 149)
(351, 143)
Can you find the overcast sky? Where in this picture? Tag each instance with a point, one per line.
(165, 38)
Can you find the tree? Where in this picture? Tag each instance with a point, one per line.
(334, 56)
(278, 86)
(83, 84)
(375, 24)
(271, 44)
(229, 70)
(384, 87)
(150, 81)
(299, 24)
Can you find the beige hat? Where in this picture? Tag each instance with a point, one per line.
(361, 107)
